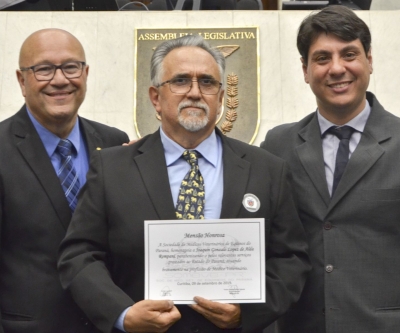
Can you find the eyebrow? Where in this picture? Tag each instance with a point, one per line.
(186, 75)
(347, 48)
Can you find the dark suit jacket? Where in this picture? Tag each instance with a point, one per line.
(34, 216)
(102, 256)
(41, 5)
(357, 231)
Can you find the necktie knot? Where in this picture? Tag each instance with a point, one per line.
(64, 148)
(191, 156)
(342, 133)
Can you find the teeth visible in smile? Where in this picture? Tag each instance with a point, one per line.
(58, 94)
(339, 85)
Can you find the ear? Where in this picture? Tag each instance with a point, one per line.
(154, 95)
(87, 70)
(369, 57)
(304, 67)
(220, 101)
(21, 81)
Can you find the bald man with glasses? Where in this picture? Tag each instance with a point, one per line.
(44, 157)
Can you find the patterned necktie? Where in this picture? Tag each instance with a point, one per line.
(342, 157)
(67, 174)
(191, 199)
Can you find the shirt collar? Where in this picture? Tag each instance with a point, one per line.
(207, 148)
(358, 122)
(50, 140)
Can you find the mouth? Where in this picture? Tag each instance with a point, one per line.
(339, 85)
(59, 94)
(192, 108)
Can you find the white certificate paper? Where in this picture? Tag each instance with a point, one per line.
(220, 260)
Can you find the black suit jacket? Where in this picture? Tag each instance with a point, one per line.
(102, 256)
(34, 217)
(41, 5)
(357, 232)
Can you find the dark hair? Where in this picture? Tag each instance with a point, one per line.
(189, 40)
(339, 21)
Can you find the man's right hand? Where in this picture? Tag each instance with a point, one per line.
(151, 316)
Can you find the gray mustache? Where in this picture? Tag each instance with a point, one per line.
(199, 105)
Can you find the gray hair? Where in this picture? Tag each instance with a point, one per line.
(189, 40)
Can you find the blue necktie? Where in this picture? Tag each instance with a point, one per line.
(67, 173)
(342, 157)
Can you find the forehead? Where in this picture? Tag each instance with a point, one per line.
(330, 43)
(52, 47)
(190, 60)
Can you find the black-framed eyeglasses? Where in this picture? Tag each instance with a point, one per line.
(46, 72)
(182, 85)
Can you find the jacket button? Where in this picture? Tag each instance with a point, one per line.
(329, 268)
(328, 226)
(195, 330)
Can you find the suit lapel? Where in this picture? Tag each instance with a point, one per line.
(236, 175)
(311, 157)
(152, 167)
(367, 152)
(31, 148)
(93, 139)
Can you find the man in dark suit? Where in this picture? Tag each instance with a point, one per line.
(37, 5)
(102, 257)
(351, 220)
(35, 211)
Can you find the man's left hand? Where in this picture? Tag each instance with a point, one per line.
(220, 314)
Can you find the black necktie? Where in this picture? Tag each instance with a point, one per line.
(342, 157)
(67, 174)
(190, 204)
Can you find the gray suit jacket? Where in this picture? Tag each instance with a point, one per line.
(34, 217)
(102, 256)
(357, 231)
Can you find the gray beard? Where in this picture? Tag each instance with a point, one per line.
(195, 121)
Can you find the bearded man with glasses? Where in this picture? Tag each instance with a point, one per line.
(44, 157)
(102, 257)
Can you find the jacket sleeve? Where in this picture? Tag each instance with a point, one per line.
(1, 228)
(83, 256)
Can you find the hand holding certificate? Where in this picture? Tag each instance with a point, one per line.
(220, 260)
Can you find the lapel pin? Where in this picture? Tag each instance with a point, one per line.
(98, 148)
(251, 202)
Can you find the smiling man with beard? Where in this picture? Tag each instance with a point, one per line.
(102, 257)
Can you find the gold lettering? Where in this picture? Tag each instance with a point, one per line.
(250, 35)
(206, 35)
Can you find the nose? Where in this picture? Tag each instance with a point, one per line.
(59, 78)
(337, 66)
(194, 92)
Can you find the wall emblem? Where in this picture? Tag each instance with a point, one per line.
(241, 108)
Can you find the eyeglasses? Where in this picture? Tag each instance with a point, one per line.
(46, 72)
(182, 85)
